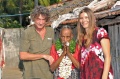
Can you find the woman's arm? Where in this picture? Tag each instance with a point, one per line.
(105, 43)
(56, 63)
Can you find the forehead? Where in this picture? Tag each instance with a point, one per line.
(83, 14)
(40, 16)
(65, 32)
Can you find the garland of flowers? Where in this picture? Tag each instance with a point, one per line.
(72, 45)
(65, 65)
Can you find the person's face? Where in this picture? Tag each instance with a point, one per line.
(65, 36)
(40, 21)
(84, 20)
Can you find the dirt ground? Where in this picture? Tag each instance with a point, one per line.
(11, 73)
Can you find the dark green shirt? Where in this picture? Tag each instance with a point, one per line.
(32, 42)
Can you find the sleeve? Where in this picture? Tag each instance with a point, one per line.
(24, 42)
(77, 53)
(53, 53)
(102, 33)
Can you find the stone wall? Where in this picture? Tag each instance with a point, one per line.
(11, 42)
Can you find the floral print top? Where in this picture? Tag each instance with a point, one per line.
(92, 58)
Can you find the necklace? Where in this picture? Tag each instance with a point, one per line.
(72, 45)
(65, 65)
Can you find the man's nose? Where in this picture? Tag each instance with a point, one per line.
(41, 21)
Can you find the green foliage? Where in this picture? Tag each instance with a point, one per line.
(72, 45)
(27, 6)
(44, 2)
(58, 44)
(8, 23)
(55, 1)
(11, 6)
(58, 1)
(1, 9)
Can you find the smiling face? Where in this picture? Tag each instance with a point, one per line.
(86, 26)
(84, 20)
(66, 35)
(40, 21)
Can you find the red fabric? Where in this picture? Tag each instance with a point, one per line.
(2, 62)
(54, 54)
(60, 78)
(92, 59)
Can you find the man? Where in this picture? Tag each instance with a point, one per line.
(66, 56)
(35, 46)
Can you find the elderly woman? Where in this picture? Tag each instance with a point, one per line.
(66, 56)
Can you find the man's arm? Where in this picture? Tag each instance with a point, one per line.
(30, 56)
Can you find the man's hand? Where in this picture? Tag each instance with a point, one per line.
(49, 58)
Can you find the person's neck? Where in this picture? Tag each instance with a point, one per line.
(86, 30)
(41, 32)
(40, 29)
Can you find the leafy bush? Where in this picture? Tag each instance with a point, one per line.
(8, 23)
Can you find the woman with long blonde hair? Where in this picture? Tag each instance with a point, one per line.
(95, 47)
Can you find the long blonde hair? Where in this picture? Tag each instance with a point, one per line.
(81, 31)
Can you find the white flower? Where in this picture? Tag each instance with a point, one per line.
(59, 52)
(65, 67)
(67, 43)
